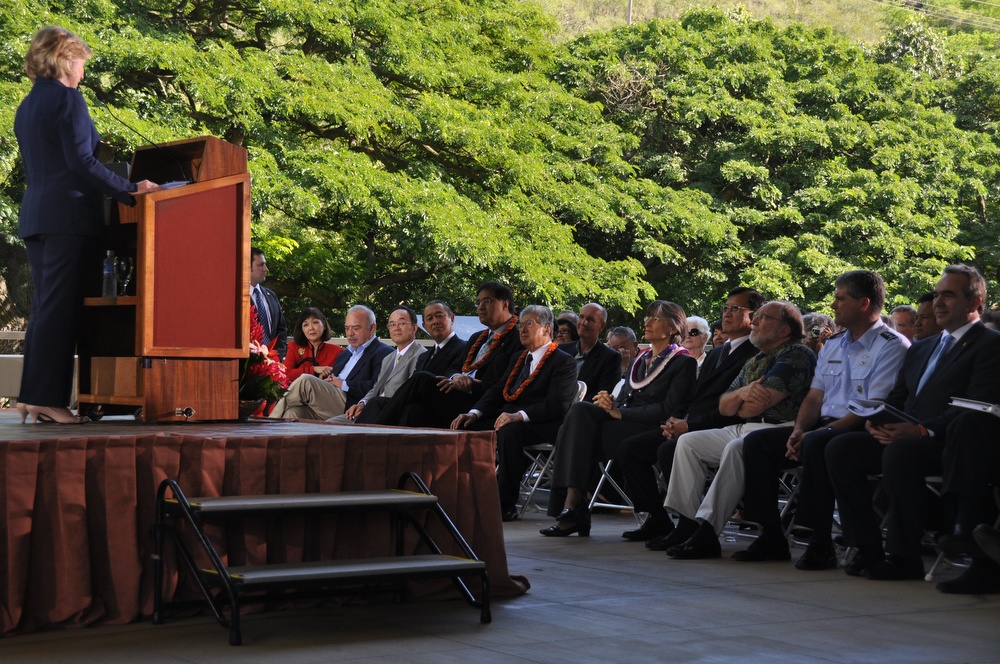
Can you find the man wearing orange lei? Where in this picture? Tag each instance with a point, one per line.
(433, 400)
(528, 405)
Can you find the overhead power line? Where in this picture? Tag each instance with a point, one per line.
(961, 16)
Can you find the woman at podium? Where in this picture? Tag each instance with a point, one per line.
(60, 216)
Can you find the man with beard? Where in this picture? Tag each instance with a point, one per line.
(766, 393)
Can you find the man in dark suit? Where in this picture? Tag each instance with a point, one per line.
(636, 455)
(355, 372)
(961, 361)
(598, 366)
(433, 400)
(266, 302)
(439, 322)
(526, 405)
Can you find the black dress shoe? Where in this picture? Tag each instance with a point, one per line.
(703, 544)
(988, 540)
(652, 528)
(556, 531)
(981, 578)
(862, 562)
(955, 545)
(578, 514)
(762, 549)
(509, 514)
(819, 555)
(898, 568)
(680, 534)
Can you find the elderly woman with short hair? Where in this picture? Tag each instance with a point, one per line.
(659, 385)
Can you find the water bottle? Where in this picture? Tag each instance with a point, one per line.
(109, 286)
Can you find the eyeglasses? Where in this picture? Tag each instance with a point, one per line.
(485, 302)
(694, 333)
(394, 325)
(735, 309)
(526, 324)
(760, 314)
(652, 319)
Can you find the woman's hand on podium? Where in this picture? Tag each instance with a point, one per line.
(146, 187)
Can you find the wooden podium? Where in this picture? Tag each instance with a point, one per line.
(172, 346)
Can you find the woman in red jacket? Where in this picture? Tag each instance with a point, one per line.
(310, 352)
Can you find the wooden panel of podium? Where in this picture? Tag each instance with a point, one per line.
(170, 347)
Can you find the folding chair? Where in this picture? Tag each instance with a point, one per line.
(540, 469)
(943, 557)
(604, 467)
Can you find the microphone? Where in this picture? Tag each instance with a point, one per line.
(168, 152)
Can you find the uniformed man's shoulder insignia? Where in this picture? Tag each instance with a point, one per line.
(888, 335)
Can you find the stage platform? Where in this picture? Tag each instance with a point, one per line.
(77, 503)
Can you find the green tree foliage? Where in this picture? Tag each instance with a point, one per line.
(406, 150)
(817, 156)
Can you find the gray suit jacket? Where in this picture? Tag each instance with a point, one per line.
(390, 378)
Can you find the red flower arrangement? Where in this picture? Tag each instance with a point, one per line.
(263, 376)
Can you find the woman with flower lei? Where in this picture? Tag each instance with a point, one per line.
(659, 385)
(262, 376)
(310, 350)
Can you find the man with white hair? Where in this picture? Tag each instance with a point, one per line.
(354, 374)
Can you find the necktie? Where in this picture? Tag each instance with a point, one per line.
(946, 342)
(484, 347)
(262, 317)
(525, 372)
(726, 347)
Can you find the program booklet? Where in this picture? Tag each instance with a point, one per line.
(972, 404)
(879, 412)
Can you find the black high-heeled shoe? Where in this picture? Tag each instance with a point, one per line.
(578, 514)
(555, 531)
(44, 415)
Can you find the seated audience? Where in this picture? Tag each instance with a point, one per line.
(597, 364)
(354, 373)
(309, 351)
(439, 322)
(904, 316)
(434, 400)
(637, 454)
(660, 381)
(962, 361)
(623, 340)
(396, 368)
(766, 393)
(566, 331)
(926, 324)
(991, 319)
(818, 328)
(718, 335)
(860, 362)
(527, 405)
(696, 338)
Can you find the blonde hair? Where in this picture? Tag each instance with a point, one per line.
(52, 48)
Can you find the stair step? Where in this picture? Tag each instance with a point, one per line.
(407, 567)
(304, 502)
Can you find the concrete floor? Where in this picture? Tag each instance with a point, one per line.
(596, 599)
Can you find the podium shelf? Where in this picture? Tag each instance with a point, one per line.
(123, 301)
